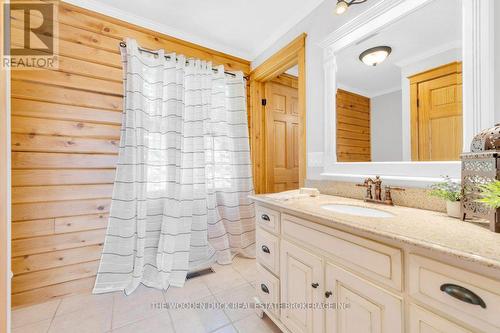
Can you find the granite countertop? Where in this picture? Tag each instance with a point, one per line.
(423, 228)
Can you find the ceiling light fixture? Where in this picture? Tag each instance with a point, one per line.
(342, 5)
(375, 55)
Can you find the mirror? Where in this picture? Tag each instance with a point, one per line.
(399, 89)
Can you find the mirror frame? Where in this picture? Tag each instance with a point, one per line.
(478, 90)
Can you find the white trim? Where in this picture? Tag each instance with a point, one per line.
(456, 44)
(416, 174)
(478, 110)
(366, 93)
(415, 182)
(361, 92)
(385, 91)
(132, 18)
(360, 20)
(315, 159)
(478, 67)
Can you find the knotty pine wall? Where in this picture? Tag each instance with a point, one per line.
(65, 136)
(353, 127)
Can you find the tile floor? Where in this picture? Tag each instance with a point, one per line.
(137, 313)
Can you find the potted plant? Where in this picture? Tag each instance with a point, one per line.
(451, 192)
(490, 194)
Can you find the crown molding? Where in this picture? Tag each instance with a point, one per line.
(368, 93)
(386, 91)
(141, 21)
(368, 15)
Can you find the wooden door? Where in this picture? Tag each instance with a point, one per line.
(423, 321)
(301, 284)
(368, 308)
(439, 115)
(282, 137)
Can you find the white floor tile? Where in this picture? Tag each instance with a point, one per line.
(224, 278)
(193, 290)
(226, 329)
(241, 299)
(144, 311)
(199, 320)
(157, 324)
(78, 302)
(85, 320)
(139, 305)
(34, 313)
(246, 267)
(254, 324)
(38, 327)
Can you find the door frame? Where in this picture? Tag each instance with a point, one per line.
(291, 54)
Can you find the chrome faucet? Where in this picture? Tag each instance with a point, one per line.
(374, 191)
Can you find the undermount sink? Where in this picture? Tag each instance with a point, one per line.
(357, 210)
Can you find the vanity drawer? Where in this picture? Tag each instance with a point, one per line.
(434, 283)
(376, 261)
(268, 219)
(268, 253)
(268, 290)
(422, 321)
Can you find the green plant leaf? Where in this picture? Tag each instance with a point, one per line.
(447, 190)
(490, 194)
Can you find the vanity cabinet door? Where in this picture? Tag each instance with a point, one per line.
(356, 305)
(301, 286)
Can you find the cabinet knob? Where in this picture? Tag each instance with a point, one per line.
(264, 288)
(462, 294)
(315, 285)
(265, 249)
(328, 294)
(265, 217)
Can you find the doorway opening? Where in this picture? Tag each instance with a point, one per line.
(277, 118)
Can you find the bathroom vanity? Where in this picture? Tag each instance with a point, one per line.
(373, 268)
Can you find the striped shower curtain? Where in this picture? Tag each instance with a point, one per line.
(180, 198)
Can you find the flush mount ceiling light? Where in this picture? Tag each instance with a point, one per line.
(342, 5)
(375, 55)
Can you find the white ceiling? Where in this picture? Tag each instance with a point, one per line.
(243, 28)
(431, 29)
(293, 71)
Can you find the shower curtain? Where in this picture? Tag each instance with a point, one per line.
(180, 199)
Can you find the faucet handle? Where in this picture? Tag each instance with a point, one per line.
(388, 196)
(368, 185)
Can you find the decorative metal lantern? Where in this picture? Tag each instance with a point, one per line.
(481, 166)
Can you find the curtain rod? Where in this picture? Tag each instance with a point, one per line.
(123, 44)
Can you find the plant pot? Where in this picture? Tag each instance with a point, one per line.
(453, 209)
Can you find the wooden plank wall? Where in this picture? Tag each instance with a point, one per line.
(65, 136)
(353, 127)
